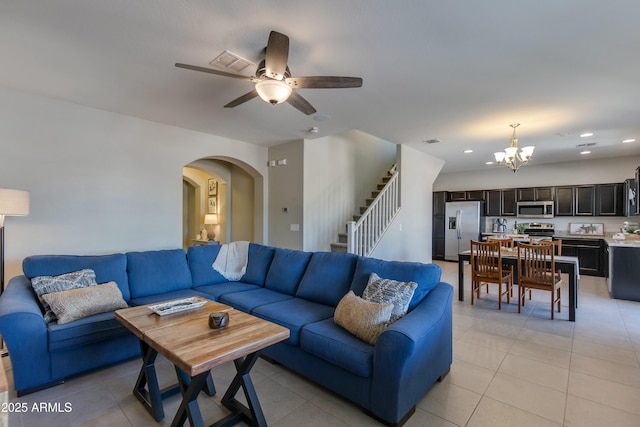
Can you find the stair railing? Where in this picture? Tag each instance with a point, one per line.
(363, 235)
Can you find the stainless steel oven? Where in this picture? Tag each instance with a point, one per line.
(540, 209)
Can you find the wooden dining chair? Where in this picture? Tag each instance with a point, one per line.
(486, 268)
(557, 244)
(504, 243)
(537, 270)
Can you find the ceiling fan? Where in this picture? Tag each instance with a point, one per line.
(273, 81)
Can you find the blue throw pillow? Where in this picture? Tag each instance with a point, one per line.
(427, 276)
(200, 259)
(157, 272)
(258, 263)
(287, 268)
(328, 277)
(108, 268)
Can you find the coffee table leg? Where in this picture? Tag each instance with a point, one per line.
(189, 408)
(146, 389)
(253, 414)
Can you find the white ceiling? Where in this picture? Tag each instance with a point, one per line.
(459, 71)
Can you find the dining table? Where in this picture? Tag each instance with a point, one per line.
(566, 264)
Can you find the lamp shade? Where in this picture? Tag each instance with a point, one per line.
(211, 219)
(273, 91)
(14, 202)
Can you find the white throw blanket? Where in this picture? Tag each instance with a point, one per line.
(231, 261)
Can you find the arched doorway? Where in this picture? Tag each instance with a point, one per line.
(236, 198)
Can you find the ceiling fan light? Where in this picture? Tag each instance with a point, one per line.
(273, 91)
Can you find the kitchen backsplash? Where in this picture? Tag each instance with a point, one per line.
(561, 223)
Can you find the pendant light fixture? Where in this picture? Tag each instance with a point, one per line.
(510, 157)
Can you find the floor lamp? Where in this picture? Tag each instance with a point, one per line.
(12, 203)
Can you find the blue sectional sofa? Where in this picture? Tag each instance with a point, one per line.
(296, 289)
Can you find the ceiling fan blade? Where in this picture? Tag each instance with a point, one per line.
(300, 103)
(277, 55)
(244, 98)
(216, 72)
(324, 82)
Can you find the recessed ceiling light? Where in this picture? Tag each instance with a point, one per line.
(488, 163)
(586, 134)
(585, 152)
(468, 151)
(628, 140)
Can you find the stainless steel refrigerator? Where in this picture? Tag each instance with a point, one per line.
(463, 223)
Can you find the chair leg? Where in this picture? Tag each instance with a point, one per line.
(499, 296)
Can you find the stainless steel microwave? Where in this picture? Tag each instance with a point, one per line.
(540, 209)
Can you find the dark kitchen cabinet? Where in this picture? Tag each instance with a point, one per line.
(469, 196)
(509, 202)
(585, 204)
(629, 203)
(609, 199)
(493, 204)
(564, 201)
(590, 253)
(500, 202)
(534, 194)
(437, 236)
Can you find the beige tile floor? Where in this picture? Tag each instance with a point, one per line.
(509, 369)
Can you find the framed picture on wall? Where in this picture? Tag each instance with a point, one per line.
(213, 187)
(212, 205)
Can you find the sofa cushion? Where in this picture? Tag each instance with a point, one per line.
(214, 292)
(156, 272)
(259, 261)
(334, 344)
(74, 304)
(364, 319)
(328, 277)
(108, 268)
(86, 331)
(247, 301)
(387, 291)
(200, 260)
(427, 276)
(293, 314)
(43, 285)
(287, 268)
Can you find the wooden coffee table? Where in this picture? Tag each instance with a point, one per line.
(187, 341)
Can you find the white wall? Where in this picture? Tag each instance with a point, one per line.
(100, 182)
(286, 192)
(340, 172)
(409, 237)
(597, 171)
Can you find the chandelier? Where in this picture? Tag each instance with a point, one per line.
(510, 157)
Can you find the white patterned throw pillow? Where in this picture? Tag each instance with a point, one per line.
(388, 291)
(43, 285)
(364, 319)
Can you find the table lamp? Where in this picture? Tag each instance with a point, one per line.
(12, 203)
(211, 219)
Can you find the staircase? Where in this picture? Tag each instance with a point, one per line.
(367, 228)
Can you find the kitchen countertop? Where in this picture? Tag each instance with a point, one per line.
(564, 235)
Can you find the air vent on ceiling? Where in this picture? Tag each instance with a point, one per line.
(231, 62)
(586, 144)
(431, 141)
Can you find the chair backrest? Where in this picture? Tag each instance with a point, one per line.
(486, 259)
(536, 264)
(504, 242)
(556, 243)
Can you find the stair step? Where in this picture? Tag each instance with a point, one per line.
(380, 186)
(357, 217)
(369, 200)
(386, 179)
(374, 194)
(342, 238)
(339, 247)
(363, 209)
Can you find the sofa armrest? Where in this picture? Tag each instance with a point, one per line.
(411, 354)
(24, 331)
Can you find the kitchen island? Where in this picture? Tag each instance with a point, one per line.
(623, 279)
